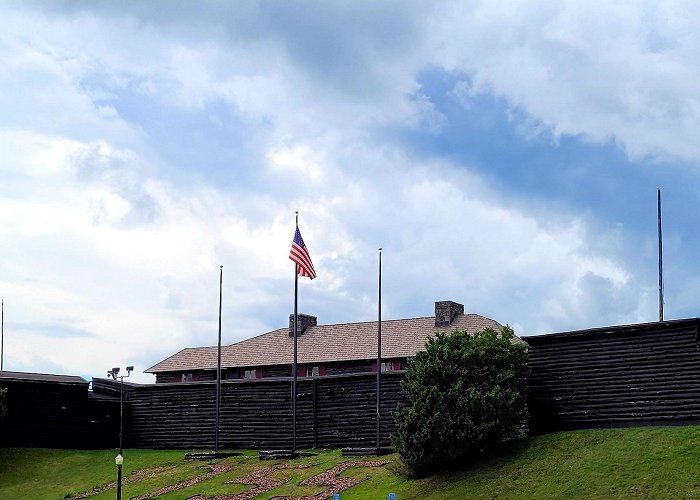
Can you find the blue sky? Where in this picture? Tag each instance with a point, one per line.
(504, 155)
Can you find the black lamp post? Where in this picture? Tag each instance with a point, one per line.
(119, 460)
(114, 373)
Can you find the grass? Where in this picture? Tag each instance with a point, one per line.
(645, 462)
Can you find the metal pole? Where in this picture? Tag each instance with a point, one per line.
(294, 361)
(119, 481)
(379, 354)
(661, 268)
(2, 332)
(218, 364)
(121, 415)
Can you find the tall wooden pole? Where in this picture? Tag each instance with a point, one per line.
(294, 361)
(218, 363)
(379, 355)
(661, 260)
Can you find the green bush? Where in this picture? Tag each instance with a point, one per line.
(468, 393)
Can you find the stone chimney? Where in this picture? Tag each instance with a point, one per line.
(446, 311)
(305, 321)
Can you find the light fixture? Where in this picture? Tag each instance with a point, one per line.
(114, 373)
(119, 460)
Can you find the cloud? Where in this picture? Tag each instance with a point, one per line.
(450, 232)
(614, 72)
(117, 208)
(619, 72)
(144, 284)
(298, 162)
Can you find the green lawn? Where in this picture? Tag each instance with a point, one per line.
(647, 462)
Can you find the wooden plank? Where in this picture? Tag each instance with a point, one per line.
(618, 377)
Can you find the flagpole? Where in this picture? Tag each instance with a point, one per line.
(302, 265)
(294, 361)
(379, 354)
(661, 268)
(2, 332)
(218, 363)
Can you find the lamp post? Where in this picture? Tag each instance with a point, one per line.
(114, 373)
(119, 460)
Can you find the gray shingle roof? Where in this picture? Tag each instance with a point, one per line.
(42, 377)
(322, 344)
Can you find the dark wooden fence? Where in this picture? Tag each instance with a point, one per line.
(332, 411)
(616, 376)
(56, 411)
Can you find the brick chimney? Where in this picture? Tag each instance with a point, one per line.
(446, 311)
(305, 321)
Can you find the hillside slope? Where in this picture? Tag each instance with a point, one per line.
(646, 462)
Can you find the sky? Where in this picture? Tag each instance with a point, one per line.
(505, 155)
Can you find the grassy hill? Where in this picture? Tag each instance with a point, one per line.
(647, 462)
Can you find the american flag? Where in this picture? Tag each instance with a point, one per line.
(300, 255)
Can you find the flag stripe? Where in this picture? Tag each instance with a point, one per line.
(300, 256)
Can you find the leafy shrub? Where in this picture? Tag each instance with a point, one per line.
(468, 393)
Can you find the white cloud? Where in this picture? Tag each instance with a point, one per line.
(299, 161)
(612, 72)
(117, 255)
(139, 282)
(145, 283)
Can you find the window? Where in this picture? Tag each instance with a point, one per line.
(251, 373)
(390, 366)
(312, 371)
(189, 377)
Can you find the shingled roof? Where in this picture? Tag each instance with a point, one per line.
(323, 343)
(42, 377)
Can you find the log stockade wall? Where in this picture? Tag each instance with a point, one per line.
(332, 411)
(616, 376)
(50, 414)
(645, 374)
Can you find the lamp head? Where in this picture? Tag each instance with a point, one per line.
(119, 459)
(115, 370)
(129, 369)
